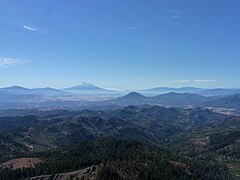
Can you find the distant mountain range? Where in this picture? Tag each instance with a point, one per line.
(17, 90)
(164, 90)
(90, 96)
(83, 88)
(220, 92)
(192, 90)
(90, 89)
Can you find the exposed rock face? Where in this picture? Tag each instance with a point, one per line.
(83, 174)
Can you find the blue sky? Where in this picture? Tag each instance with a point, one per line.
(126, 44)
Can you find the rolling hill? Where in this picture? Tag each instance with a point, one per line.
(170, 99)
(232, 101)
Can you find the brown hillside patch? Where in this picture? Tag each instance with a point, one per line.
(21, 163)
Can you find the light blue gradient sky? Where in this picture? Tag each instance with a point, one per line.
(126, 44)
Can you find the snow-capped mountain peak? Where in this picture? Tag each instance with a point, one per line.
(84, 84)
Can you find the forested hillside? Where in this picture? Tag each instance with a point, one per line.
(121, 159)
(188, 143)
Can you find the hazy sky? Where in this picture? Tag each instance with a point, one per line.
(127, 44)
